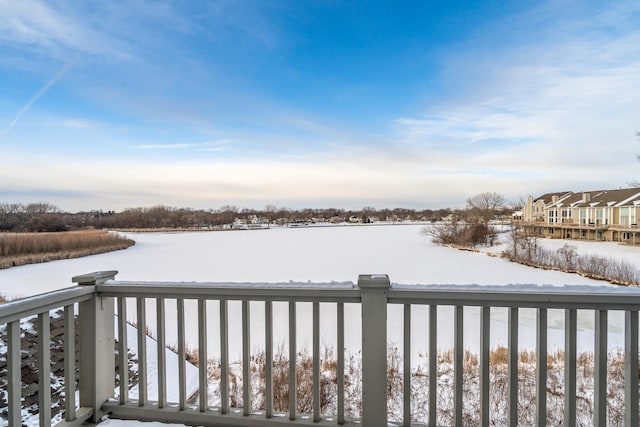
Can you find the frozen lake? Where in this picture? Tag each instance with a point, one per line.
(321, 254)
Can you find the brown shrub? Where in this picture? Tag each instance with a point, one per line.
(28, 248)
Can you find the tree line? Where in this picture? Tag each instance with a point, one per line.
(46, 217)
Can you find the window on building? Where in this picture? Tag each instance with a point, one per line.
(626, 216)
(583, 216)
(599, 216)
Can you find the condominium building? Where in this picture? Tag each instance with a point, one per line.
(602, 215)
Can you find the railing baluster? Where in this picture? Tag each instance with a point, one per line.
(631, 368)
(142, 351)
(44, 368)
(340, 373)
(69, 363)
(268, 345)
(162, 362)
(407, 366)
(600, 369)
(541, 367)
(513, 366)
(224, 356)
(292, 361)
(246, 359)
(485, 331)
(123, 351)
(182, 378)
(570, 323)
(203, 377)
(458, 349)
(14, 377)
(316, 361)
(433, 364)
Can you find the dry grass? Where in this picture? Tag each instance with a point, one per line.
(498, 393)
(28, 248)
(525, 250)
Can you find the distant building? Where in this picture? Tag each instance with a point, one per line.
(602, 215)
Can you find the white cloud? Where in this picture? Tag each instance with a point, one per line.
(116, 31)
(565, 106)
(202, 146)
(555, 108)
(53, 31)
(163, 146)
(80, 123)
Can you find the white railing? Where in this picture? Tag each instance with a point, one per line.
(100, 295)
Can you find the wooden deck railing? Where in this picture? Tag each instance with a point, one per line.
(100, 297)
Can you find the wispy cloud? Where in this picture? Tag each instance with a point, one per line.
(571, 94)
(543, 97)
(163, 146)
(79, 123)
(203, 146)
(125, 31)
(52, 30)
(35, 98)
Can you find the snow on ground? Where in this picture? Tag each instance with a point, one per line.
(321, 254)
(612, 250)
(325, 254)
(283, 254)
(171, 361)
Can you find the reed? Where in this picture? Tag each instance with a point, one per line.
(27, 248)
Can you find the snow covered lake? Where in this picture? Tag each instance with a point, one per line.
(324, 254)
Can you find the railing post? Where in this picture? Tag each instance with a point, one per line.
(374, 288)
(97, 363)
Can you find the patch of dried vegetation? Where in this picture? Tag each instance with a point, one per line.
(28, 248)
(498, 390)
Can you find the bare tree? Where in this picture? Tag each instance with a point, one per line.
(522, 247)
(367, 212)
(227, 214)
(484, 206)
(516, 203)
(270, 212)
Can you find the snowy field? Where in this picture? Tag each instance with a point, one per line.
(317, 254)
(324, 254)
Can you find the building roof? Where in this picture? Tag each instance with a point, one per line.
(595, 198)
(548, 197)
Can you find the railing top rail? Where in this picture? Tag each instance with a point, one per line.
(516, 295)
(15, 310)
(282, 291)
(519, 295)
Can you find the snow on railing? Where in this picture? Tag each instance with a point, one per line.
(373, 294)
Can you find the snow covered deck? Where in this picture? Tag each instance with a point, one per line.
(224, 313)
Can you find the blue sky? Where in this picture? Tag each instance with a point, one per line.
(107, 105)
